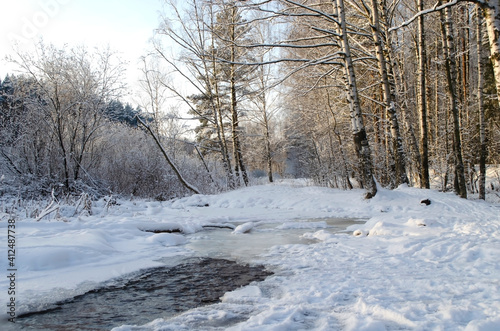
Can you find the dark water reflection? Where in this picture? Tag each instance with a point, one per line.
(154, 293)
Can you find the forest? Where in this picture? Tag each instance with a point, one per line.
(347, 93)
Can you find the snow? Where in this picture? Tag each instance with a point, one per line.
(248, 294)
(409, 267)
(244, 228)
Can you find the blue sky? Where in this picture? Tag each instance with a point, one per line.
(124, 25)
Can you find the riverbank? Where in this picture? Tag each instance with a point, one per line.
(410, 266)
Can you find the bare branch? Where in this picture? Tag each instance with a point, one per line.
(436, 8)
(165, 154)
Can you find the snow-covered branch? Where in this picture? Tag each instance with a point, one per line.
(170, 162)
(436, 8)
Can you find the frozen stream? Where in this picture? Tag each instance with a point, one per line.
(246, 247)
(221, 260)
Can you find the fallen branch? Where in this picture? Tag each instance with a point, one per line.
(170, 162)
(219, 226)
(52, 207)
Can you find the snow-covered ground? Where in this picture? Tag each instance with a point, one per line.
(411, 266)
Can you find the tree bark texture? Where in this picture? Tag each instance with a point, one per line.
(451, 77)
(492, 18)
(169, 160)
(389, 100)
(480, 104)
(424, 147)
(239, 165)
(358, 128)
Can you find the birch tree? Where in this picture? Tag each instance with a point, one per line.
(388, 97)
(480, 104)
(230, 30)
(492, 17)
(422, 102)
(491, 10)
(358, 128)
(451, 76)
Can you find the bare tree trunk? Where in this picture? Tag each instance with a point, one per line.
(64, 154)
(412, 141)
(358, 128)
(235, 129)
(389, 100)
(269, 156)
(235, 132)
(261, 103)
(491, 10)
(424, 149)
(219, 124)
(170, 162)
(480, 86)
(492, 17)
(234, 102)
(204, 163)
(451, 76)
(217, 109)
(194, 37)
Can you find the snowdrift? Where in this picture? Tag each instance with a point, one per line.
(410, 266)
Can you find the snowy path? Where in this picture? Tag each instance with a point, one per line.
(410, 267)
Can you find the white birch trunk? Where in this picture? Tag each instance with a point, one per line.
(358, 128)
(451, 75)
(492, 18)
(389, 102)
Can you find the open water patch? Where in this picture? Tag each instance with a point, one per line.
(139, 298)
(169, 290)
